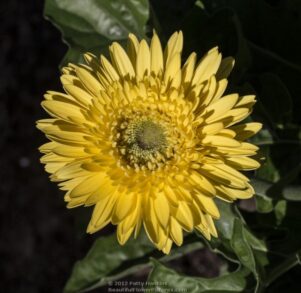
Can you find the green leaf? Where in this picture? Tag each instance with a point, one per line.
(268, 171)
(254, 242)
(163, 279)
(280, 210)
(241, 246)
(104, 258)
(278, 188)
(237, 243)
(225, 224)
(292, 193)
(228, 226)
(107, 260)
(91, 25)
(264, 203)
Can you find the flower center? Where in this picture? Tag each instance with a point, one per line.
(149, 135)
(143, 143)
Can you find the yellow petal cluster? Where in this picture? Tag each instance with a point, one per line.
(149, 141)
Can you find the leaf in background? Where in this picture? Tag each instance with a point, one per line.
(278, 188)
(91, 25)
(226, 226)
(242, 247)
(254, 242)
(264, 203)
(163, 279)
(105, 256)
(292, 193)
(280, 210)
(107, 260)
(266, 192)
(237, 242)
(268, 170)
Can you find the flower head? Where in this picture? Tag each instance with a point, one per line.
(149, 142)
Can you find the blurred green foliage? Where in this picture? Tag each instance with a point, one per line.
(264, 37)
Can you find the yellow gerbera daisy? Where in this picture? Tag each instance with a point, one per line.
(149, 141)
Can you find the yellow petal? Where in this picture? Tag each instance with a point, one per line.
(215, 110)
(227, 133)
(171, 195)
(211, 226)
(176, 81)
(217, 140)
(207, 205)
(156, 55)
(132, 219)
(207, 93)
(234, 116)
(220, 89)
(244, 131)
(121, 61)
(166, 249)
(78, 94)
(208, 66)
(88, 186)
(246, 100)
(245, 149)
(243, 163)
(172, 68)
(188, 68)
(72, 170)
(65, 135)
(53, 158)
(56, 96)
(203, 184)
(212, 128)
(109, 69)
(234, 193)
(143, 60)
(132, 48)
(123, 237)
(162, 238)
(70, 151)
(176, 232)
(174, 46)
(76, 202)
(150, 222)
(105, 189)
(89, 81)
(125, 203)
(225, 175)
(162, 210)
(101, 214)
(47, 147)
(184, 216)
(203, 227)
(65, 111)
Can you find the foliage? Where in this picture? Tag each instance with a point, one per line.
(261, 246)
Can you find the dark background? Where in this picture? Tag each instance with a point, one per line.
(40, 238)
